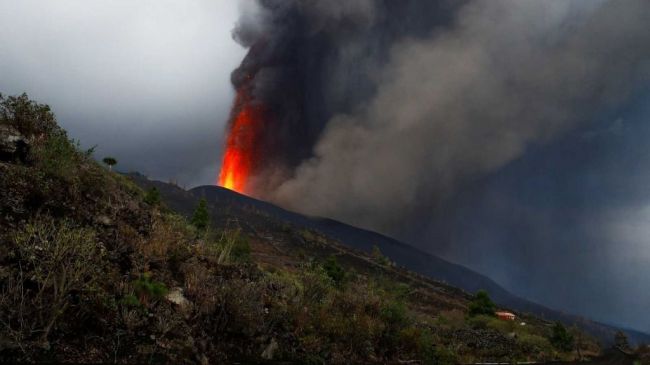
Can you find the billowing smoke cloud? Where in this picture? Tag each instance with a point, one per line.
(463, 101)
(311, 60)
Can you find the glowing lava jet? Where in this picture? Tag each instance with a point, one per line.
(242, 144)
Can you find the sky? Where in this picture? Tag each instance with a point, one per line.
(562, 219)
(147, 81)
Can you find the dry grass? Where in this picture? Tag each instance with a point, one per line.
(54, 260)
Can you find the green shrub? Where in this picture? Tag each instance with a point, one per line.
(480, 321)
(147, 289)
(394, 317)
(334, 271)
(561, 338)
(316, 285)
(130, 300)
(241, 249)
(501, 325)
(445, 356)
(58, 157)
(394, 313)
(152, 197)
(379, 257)
(418, 342)
(534, 343)
(482, 305)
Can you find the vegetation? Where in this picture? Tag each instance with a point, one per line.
(482, 305)
(201, 217)
(93, 270)
(379, 257)
(335, 271)
(561, 338)
(152, 197)
(110, 162)
(30, 118)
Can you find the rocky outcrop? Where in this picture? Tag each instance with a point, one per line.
(13, 145)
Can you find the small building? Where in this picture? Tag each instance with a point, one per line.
(506, 316)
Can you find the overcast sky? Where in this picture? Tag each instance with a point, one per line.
(148, 81)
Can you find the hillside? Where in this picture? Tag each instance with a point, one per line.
(228, 204)
(94, 268)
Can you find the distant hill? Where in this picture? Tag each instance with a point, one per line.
(228, 202)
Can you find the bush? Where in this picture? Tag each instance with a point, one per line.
(28, 117)
(482, 305)
(335, 271)
(58, 157)
(480, 321)
(445, 356)
(147, 289)
(418, 342)
(152, 197)
(55, 260)
(534, 343)
(561, 338)
(379, 257)
(394, 317)
(241, 249)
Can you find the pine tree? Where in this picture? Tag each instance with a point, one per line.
(201, 216)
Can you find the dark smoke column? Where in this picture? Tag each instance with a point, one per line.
(308, 61)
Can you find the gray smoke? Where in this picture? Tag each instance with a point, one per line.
(463, 100)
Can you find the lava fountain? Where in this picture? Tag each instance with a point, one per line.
(242, 148)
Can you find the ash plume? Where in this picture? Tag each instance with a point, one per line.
(401, 117)
(311, 60)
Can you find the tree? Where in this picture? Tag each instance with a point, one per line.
(201, 216)
(561, 338)
(379, 257)
(482, 305)
(152, 197)
(334, 271)
(110, 161)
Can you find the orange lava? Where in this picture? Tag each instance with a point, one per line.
(241, 145)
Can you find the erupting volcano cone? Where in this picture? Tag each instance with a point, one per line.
(242, 144)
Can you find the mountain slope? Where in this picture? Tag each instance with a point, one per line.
(227, 202)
